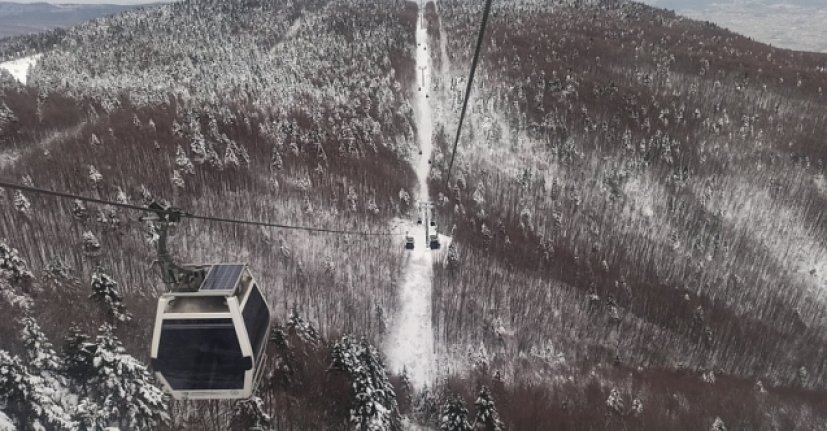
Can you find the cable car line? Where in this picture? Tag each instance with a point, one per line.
(184, 214)
(480, 36)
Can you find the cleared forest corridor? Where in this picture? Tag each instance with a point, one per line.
(410, 345)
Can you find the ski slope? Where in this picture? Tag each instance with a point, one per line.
(19, 68)
(410, 345)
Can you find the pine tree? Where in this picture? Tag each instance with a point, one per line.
(230, 157)
(178, 180)
(249, 415)
(7, 119)
(12, 266)
(183, 162)
(40, 353)
(22, 204)
(79, 210)
(91, 245)
(95, 176)
(718, 425)
(454, 416)
(297, 325)
(76, 354)
(27, 399)
(105, 293)
(487, 417)
(116, 382)
(374, 401)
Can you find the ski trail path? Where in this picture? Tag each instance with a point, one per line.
(410, 344)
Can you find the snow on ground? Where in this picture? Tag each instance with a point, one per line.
(410, 345)
(6, 423)
(19, 68)
(48, 139)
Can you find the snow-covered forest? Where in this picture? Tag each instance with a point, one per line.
(635, 213)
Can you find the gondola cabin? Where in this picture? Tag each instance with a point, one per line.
(409, 241)
(433, 237)
(209, 341)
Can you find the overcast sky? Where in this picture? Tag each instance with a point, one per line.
(792, 24)
(90, 1)
(702, 4)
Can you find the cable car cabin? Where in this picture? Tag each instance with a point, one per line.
(409, 241)
(209, 342)
(433, 237)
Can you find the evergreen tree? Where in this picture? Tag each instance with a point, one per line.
(89, 416)
(7, 119)
(79, 210)
(487, 417)
(77, 353)
(454, 416)
(40, 353)
(22, 204)
(718, 425)
(249, 415)
(12, 266)
(374, 401)
(183, 162)
(297, 325)
(116, 382)
(105, 293)
(27, 399)
(91, 245)
(95, 176)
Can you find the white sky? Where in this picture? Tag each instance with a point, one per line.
(92, 1)
(792, 24)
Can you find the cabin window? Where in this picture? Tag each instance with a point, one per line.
(256, 319)
(201, 354)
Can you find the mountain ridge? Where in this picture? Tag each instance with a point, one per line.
(26, 18)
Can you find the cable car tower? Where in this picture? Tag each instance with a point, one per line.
(211, 326)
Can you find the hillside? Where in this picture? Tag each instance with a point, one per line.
(26, 18)
(632, 233)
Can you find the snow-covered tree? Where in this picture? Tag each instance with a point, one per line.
(7, 118)
(27, 399)
(40, 353)
(231, 156)
(637, 407)
(177, 179)
(115, 381)
(374, 401)
(91, 245)
(79, 210)
(249, 414)
(487, 417)
(718, 425)
(22, 204)
(183, 162)
(305, 330)
(454, 416)
(803, 376)
(372, 207)
(12, 266)
(615, 402)
(105, 293)
(95, 176)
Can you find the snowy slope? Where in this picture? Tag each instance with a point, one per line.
(410, 345)
(19, 68)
